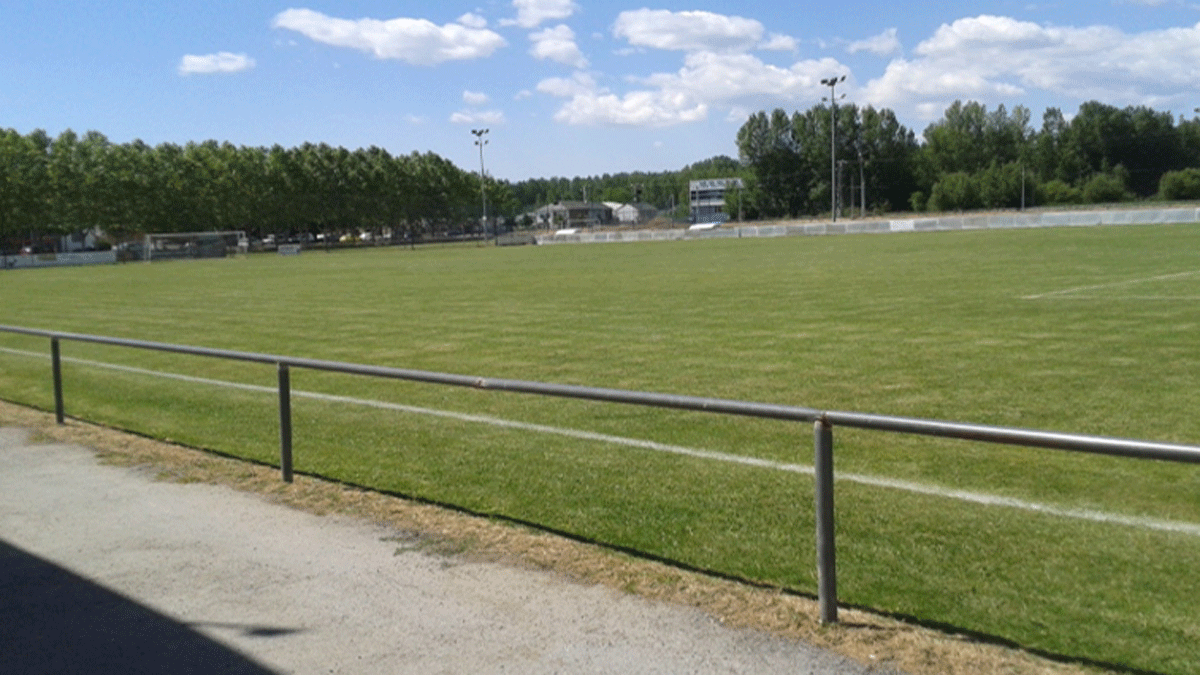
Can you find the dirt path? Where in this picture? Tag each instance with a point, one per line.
(130, 537)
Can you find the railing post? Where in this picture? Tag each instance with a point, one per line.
(285, 423)
(56, 367)
(823, 489)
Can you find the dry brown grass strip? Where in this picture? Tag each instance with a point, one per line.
(862, 636)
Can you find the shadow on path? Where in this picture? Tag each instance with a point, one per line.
(54, 621)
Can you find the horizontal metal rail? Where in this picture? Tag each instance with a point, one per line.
(823, 420)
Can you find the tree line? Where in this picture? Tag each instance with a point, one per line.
(972, 158)
(67, 184)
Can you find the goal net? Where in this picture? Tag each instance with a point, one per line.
(185, 245)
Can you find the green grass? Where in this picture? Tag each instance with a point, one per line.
(1081, 330)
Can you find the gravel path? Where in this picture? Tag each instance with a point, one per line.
(104, 570)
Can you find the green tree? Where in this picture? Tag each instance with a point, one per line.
(1180, 185)
(958, 191)
(970, 139)
(885, 150)
(1107, 187)
(132, 189)
(24, 188)
(1141, 140)
(1000, 186)
(1058, 193)
(768, 146)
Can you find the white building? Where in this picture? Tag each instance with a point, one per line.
(568, 215)
(707, 198)
(632, 214)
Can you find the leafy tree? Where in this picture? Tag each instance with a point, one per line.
(958, 191)
(23, 186)
(1145, 142)
(789, 158)
(1057, 193)
(1000, 186)
(1056, 155)
(1178, 185)
(767, 145)
(886, 151)
(132, 189)
(970, 139)
(1107, 187)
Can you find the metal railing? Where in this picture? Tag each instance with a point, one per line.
(823, 423)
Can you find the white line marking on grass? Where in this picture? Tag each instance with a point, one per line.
(980, 498)
(1122, 298)
(1115, 284)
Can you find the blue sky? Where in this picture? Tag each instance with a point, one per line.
(566, 87)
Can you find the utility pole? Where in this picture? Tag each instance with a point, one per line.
(862, 183)
(841, 164)
(481, 141)
(832, 83)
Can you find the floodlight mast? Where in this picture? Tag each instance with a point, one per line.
(832, 83)
(481, 141)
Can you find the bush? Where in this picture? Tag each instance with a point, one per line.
(957, 191)
(1177, 185)
(1057, 192)
(1000, 186)
(1104, 188)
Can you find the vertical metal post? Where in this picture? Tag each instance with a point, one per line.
(56, 367)
(826, 553)
(285, 423)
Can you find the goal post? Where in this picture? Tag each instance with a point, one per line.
(192, 245)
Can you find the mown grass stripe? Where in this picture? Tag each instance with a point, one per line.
(1114, 284)
(980, 498)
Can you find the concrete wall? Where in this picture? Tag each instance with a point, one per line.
(987, 221)
(59, 259)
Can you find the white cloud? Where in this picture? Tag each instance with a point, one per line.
(566, 87)
(780, 43)
(738, 114)
(221, 62)
(475, 98)
(557, 44)
(739, 81)
(985, 31)
(688, 31)
(638, 108)
(472, 20)
(414, 41)
(533, 13)
(477, 117)
(731, 77)
(999, 59)
(884, 44)
(991, 59)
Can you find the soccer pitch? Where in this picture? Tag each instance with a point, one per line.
(1088, 330)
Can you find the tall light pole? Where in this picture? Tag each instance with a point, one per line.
(481, 141)
(832, 83)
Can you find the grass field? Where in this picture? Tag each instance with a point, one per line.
(1082, 330)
